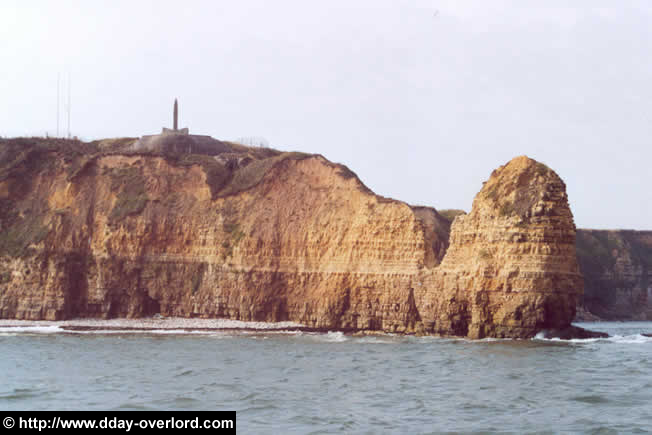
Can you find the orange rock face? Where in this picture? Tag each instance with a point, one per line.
(281, 237)
(511, 269)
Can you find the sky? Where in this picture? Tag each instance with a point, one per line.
(423, 99)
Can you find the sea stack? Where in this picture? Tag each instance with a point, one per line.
(511, 268)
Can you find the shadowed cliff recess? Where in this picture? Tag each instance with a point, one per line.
(108, 229)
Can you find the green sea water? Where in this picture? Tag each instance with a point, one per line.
(296, 382)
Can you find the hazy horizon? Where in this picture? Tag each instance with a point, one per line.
(422, 99)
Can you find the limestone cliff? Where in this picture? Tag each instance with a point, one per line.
(101, 230)
(617, 269)
(511, 268)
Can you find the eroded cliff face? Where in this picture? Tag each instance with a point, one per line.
(617, 269)
(511, 269)
(270, 236)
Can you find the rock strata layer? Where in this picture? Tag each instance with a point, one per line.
(92, 230)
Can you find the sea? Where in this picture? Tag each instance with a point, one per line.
(293, 382)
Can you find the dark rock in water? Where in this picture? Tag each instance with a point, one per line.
(646, 335)
(572, 332)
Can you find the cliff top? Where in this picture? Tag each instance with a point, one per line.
(230, 167)
(522, 188)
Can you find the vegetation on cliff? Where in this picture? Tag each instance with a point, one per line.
(617, 269)
(24, 159)
(25, 222)
(129, 184)
(518, 196)
(18, 232)
(451, 214)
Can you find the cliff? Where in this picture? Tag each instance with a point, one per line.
(617, 269)
(102, 230)
(511, 269)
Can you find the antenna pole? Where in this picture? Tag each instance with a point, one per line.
(69, 80)
(58, 80)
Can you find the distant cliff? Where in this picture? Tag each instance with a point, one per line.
(102, 230)
(617, 269)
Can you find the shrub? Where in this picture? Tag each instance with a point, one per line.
(450, 214)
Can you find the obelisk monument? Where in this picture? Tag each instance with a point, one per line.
(175, 124)
(175, 130)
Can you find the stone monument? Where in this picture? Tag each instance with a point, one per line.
(175, 123)
(179, 140)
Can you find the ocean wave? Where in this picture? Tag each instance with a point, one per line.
(55, 329)
(123, 327)
(335, 337)
(138, 331)
(630, 339)
(377, 340)
(620, 339)
(169, 326)
(47, 329)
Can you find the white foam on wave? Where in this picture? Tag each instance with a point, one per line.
(492, 339)
(621, 339)
(141, 331)
(437, 339)
(152, 325)
(47, 329)
(630, 339)
(541, 337)
(54, 329)
(335, 337)
(376, 340)
(283, 332)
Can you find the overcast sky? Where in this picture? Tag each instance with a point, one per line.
(422, 99)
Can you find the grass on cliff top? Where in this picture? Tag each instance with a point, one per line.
(23, 158)
(639, 250)
(230, 179)
(113, 144)
(250, 175)
(526, 192)
(217, 174)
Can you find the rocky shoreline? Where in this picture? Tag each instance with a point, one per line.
(185, 325)
(153, 323)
